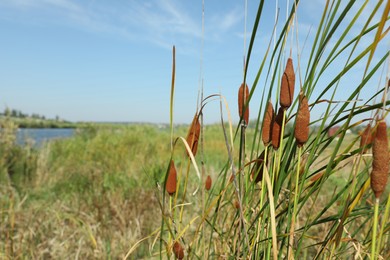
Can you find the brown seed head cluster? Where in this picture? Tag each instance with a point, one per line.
(301, 131)
(208, 183)
(287, 85)
(267, 124)
(380, 163)
(178, 250)
(257, 170)
(243, 96)
(366, 138)
(277, 129)
(171, 180)
(193, 135)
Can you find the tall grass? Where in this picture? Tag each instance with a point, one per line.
(88, 196)
(314, 199)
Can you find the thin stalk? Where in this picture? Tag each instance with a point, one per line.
(170, 219)
(262, 193)
(374, 229)
(295, 208)
(273, 173)
(272, 216)
(384, 221)
(202, 130)
(281, 143)
(184, 193)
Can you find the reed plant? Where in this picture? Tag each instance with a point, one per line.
(275, 197)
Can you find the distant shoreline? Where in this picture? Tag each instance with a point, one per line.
(35, 123)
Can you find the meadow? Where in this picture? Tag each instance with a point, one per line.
(95, 195)
(92, 195)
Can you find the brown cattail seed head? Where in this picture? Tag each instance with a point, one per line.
(380, 162)
(257, 170)
(267, 124)
(277, 129)
(208, 183)
(171, 180)
(287, 85)
(236, 204)
(301, 131)
(243, 96)
(178, 250)
(366, 138)
(193, 135)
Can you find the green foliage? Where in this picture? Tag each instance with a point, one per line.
(313, 201)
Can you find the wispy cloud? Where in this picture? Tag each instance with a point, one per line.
(157, 22)
(225, 23)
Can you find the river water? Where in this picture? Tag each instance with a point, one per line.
(40, 135)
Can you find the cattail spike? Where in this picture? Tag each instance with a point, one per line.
(380, 162)
(178, 250)
(193, 135)
(171, 180)
(301, 131)
(208, 183)
(366, 138)
(243, 96)
(287, 85)
(267, 124)
(277, 129)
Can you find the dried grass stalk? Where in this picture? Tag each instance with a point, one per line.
(171, 180)
(243, 96)
(178, 250)
(380, 163)
(287, 85)
(257, 170)
(301, 131)
(208, 183)
(193, 134)
(366, 138)
(277, 129)
(267, 124)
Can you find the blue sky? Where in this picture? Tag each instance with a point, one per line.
(97, 60)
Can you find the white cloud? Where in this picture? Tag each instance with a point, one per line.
(159, 22)
(229, 20)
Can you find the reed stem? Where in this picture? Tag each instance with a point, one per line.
(374, 229)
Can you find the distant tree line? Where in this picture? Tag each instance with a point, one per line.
(19, 114)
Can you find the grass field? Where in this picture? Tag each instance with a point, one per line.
(94, 195)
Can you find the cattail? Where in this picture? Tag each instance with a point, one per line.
(208, 183)
(277, 129)
(257, 170)
(236, 204)
(193, 134)
(380, 162)
(287, 85)
(171, 180)
(366, 138)
(178, 250)
(243, 96)
(301, 131)
(267, 124)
